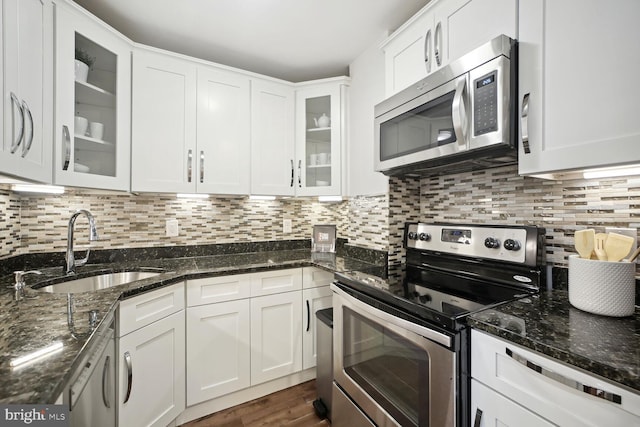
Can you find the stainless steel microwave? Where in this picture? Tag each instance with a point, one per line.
(461, 117)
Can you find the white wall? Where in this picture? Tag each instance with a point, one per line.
(366, 90)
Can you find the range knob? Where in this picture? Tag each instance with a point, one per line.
(492, 243)
(412, 235)
(425, 237)
(512, 245)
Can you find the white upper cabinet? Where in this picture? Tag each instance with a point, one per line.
(224, 133)
(93, 107)
(199, 116)
(579, 62)
(319, 136)
(273, 169)
(441, 32)
(163, 151)
(26, 150)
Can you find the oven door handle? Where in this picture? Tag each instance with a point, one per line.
(429, 334)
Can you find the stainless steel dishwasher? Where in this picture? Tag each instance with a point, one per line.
(91, 395)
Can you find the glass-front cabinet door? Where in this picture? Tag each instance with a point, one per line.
(93, 102)
(319, 134)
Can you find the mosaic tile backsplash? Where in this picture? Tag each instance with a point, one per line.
(33, 224)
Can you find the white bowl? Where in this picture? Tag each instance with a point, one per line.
(78, 167)
(322, 183)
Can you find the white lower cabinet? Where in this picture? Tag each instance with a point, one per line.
(276, 336)
(489, 408)
(151, 357)
(245, 330)
(151, 373)
(313, 300)
(316, 295)
(514, 386)
(218, 350)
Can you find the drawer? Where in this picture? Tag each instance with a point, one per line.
(142, 310)
(490, 408)
(218, 289)
(313, 277)
(276, 281)
(548, 387)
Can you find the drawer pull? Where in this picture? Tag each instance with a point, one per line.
(478, 419)
(593, 391)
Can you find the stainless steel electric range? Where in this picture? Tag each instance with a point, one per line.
(401, 346)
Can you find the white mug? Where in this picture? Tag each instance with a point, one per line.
(322, 158)
(80, 125)
(313, 159)
(97, 130)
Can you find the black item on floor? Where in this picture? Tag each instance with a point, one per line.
(324, 365)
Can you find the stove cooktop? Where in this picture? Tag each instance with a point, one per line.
(445, 306)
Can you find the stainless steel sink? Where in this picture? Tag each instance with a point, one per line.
(95, 283)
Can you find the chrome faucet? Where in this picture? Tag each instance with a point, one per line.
(71, 262)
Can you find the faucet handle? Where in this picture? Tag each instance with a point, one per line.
(19, 276)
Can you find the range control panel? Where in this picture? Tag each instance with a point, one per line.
(512, 244)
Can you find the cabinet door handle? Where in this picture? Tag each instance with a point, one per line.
(427, 51)
(524, 124)
(27, 145)
(571, 383)
(18, 140)
(478, 419)
(437, 44)
(201, 167)
(127, 361)
(67, 148)
(300, 173)
(105, 382)
(189, 164)
(308, 316)
(459, 112)
(292, 173)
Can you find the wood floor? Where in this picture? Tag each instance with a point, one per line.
(292, 407)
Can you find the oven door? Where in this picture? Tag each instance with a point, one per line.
(395, 371)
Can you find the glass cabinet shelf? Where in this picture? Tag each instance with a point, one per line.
(89, 94)
(93, 144)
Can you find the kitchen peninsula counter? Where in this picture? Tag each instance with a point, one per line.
(40, 319)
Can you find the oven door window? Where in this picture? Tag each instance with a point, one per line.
(425, 127)
(391, 369)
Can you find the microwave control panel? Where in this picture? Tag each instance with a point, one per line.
(485, 107)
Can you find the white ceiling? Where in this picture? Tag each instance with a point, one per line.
(295, 40)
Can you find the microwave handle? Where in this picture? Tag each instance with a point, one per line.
(427, 51)
(459, 113)
(524, 124)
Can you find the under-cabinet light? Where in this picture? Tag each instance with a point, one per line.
(329, 198)
(36, 355)
(192, 196)
(35, 188)
(262, 197)
(612, 172)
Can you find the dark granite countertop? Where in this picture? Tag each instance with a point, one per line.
(40, 319)
(547, 323)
